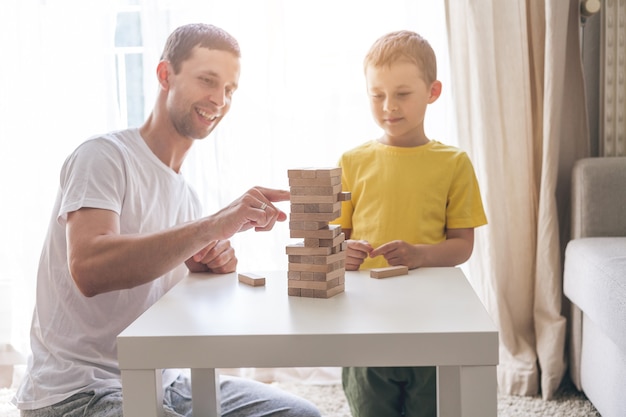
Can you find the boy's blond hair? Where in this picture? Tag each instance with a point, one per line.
(403, 45)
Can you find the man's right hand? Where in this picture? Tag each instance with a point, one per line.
(254, 209)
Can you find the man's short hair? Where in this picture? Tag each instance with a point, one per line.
(184, 39)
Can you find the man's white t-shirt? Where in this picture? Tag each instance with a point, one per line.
(73, 338)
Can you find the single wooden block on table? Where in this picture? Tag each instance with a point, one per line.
(251, 279)
(390, 271)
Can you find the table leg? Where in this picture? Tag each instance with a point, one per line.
(448, 391)
(205, 392)
(142, 393)
(467, 391)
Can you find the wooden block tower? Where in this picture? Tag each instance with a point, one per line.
(317, 264)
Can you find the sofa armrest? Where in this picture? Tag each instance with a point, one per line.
(599, 197)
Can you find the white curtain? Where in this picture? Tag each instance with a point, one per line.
(518, 90)
(56, 77)
(301, 102)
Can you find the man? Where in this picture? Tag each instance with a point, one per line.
(124, 225)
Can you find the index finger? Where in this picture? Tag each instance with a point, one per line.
(360, 245)
(382, 249)
(273, 194)
(204, 251)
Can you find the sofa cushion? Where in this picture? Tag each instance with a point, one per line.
(595, 280)
(599, 197)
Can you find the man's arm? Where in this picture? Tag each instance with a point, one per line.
(101, 259)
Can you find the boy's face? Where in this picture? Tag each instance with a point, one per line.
(200, 93)
(398, 99)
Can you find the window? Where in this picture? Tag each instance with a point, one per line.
(129, 64)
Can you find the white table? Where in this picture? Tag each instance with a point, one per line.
(430, 317)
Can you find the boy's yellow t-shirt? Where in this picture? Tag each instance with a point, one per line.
(411, 194)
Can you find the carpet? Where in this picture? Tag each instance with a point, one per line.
(568, 402)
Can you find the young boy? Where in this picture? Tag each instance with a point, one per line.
(415, 202)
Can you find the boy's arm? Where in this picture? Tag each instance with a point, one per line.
(455, 250)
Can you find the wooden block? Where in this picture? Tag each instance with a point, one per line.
(314, 199)
(294, 275)
(314, 182)
(252, 279)
(308, 225)
(307, 190)
(308, 268)
(332, 232)
(322, 293)
(316, 285)
(315, 207)
(344, 196)
(294, 266)
(390, 271)
(310, 242)
(302, 173)
(342, 247)
(315, 217)
(335, 249)
(330, 243)
(334, 291)
(294, 292)
(300, 249)
(317, 259)
(327, 172)
(322, 276)
(311, 285)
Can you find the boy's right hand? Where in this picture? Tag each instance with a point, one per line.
(357, 252)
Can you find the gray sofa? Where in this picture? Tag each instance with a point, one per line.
(594, 281)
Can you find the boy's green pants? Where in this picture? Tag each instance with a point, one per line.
(391, 391)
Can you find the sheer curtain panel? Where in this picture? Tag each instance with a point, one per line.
(518, 91)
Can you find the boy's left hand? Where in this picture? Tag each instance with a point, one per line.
(398, 252)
